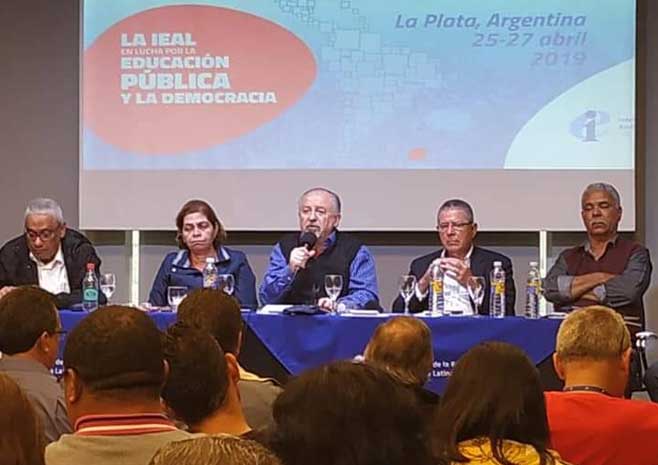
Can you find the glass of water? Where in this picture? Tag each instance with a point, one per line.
(108, 285)
(476, 291)
(333, 284)
(226, 283)
(175, 295)
(407, 286)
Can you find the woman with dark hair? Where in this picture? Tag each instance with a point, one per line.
(21, 435)
(493, 411)
(348, 414)
(201, 236)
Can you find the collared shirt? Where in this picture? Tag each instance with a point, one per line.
(177, 270)
(455, 296)
(52, 276)
(124, 424)
(43, 390)
(362, 285)
(616, 292)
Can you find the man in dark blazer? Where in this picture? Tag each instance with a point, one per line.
(460, 260)
(48, 255)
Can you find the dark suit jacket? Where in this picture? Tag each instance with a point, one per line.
(16, 268)
(481, 265)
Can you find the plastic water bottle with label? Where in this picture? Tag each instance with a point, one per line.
(532, 291)
(90, 289)
(436, 291)
(497, 293)
(210, 275)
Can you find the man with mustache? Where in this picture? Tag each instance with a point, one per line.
(296, 272)
(606, 269)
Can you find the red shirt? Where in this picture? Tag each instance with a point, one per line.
(590, 428)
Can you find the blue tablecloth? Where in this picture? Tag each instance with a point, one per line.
(301, 342)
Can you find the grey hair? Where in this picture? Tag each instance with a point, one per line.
(334, 197)
(605, 187)
(44, 206)
(458, 204)
(221, 449)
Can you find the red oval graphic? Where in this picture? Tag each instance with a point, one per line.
(148, 87)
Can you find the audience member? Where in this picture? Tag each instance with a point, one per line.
(21, 438)
(114, 372)
(607, 269)
(403, 347)
(493, 411)
(29, 341)
(201, 388)
(201, 236)
(214, 450)
(296, 271)
(219, 314)
(49, 255)
(460, 259)
(591, 424)
(348, 414)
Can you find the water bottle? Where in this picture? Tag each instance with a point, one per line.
(436, 291)
(90, 289)
(497, 293)
(210, 275)
(532, 288)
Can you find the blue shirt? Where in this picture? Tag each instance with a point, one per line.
(362, 286)
(177, 270)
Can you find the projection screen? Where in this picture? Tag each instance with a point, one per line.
(512, 105)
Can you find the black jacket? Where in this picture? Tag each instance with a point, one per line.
(481, 265)
(17, 269)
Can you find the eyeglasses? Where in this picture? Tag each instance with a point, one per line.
(456, 226)
(44, 234)
(59, 332)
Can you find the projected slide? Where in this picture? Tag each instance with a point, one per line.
(358, 85)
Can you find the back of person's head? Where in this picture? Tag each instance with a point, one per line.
(493, 393)
(215, 312)
(592, 333)
(403, 347)
(21, 434)
(214, 450)
(198, 378)
(26, 313)
(348, 413)
(114, 351)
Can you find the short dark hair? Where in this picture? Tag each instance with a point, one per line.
(402, 346)
(215, 312)
(23, 441)
(25, 314)
(198, 375)
(221, 449)
(460, 205)
(348, 413)
(117, 348)
(494, 392)
(203, 207)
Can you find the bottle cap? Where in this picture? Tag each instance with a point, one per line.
(498, 264)
(534, 264)
(91, 267)
(210, 260)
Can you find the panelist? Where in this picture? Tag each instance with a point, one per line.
(606, 269)
(460, 259)
(201, 235)
(49, 255)
(296, 271)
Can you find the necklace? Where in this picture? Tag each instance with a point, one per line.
(586, 387)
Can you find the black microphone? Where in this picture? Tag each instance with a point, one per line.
(307, 239)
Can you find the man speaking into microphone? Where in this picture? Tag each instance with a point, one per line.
(300, 261)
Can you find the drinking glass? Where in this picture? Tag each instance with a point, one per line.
(226, 283)
(476, 291)
(108, 285)
(407, 286)
(175, 295)
(333, 284)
